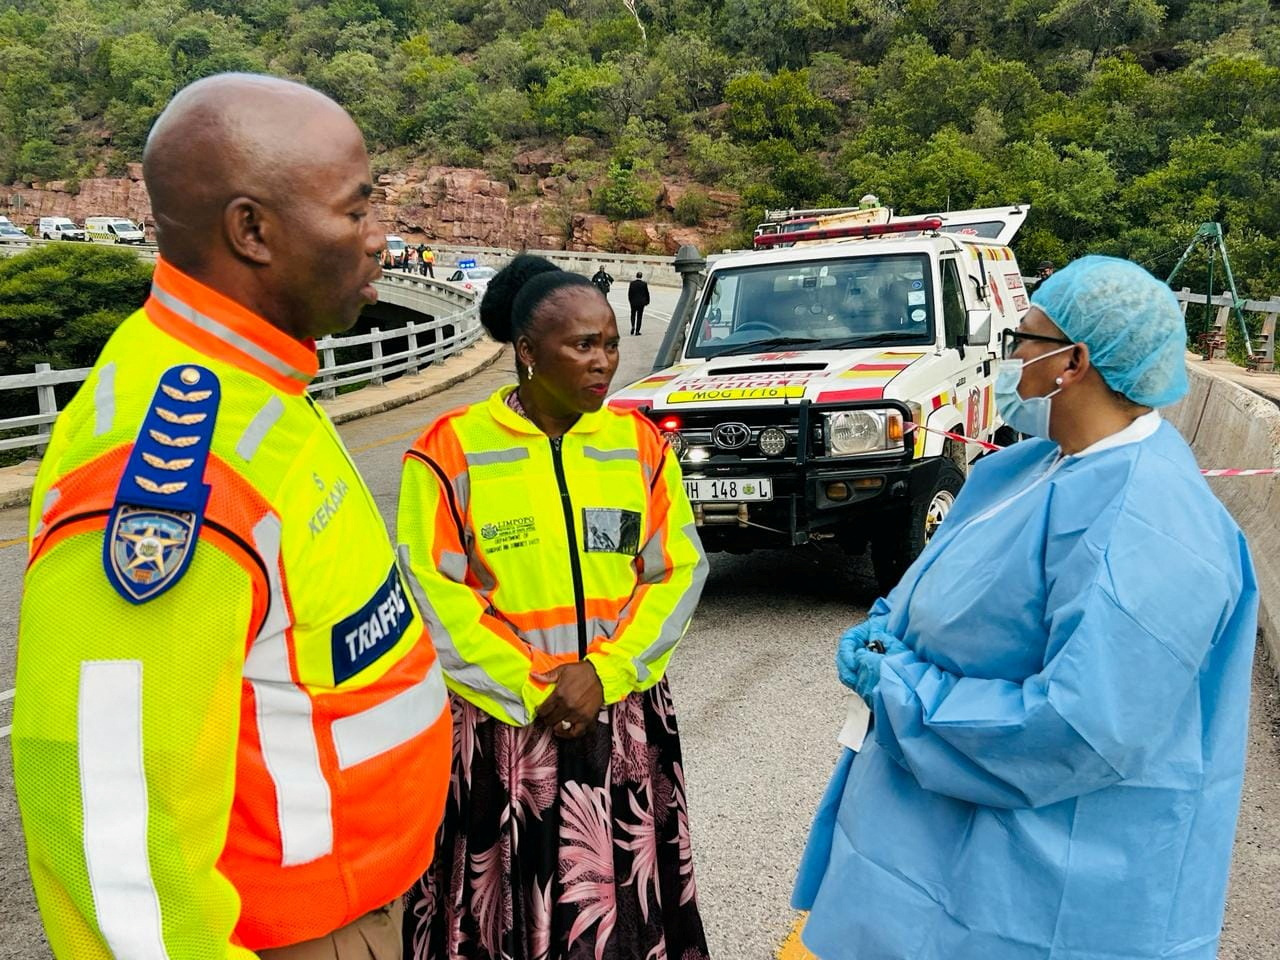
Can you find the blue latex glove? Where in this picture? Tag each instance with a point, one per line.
(861, 651)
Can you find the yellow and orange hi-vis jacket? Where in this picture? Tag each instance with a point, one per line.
(526, 552)
(230, 730)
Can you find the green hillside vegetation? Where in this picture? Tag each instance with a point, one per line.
(1124, 122)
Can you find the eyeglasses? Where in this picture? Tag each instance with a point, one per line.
(1010, 340)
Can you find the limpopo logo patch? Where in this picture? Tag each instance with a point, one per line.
(509, 534)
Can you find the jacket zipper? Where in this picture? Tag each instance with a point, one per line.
(575, 562)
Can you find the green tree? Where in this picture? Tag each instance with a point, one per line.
(60, 303)
(625, 193)
(778, 107)
(1102, 25)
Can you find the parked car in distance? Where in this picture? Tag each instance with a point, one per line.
(114, 230)
(59, 228)
(10, 232)
(474, 279)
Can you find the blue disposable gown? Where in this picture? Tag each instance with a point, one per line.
(1056, 763)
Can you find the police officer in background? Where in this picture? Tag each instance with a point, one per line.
(602, 280)
(235, 740)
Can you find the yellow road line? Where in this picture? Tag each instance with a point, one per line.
(12, 543)
(792, 948)
(417, 431)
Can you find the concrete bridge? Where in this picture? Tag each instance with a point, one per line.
(754, 683)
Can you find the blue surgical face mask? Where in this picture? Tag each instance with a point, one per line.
(1030, 417)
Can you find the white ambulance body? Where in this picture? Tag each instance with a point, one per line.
(806, 369)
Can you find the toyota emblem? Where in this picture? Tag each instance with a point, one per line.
(731, 436)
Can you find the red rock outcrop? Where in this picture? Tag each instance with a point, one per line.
(92, 197)
(450, 205)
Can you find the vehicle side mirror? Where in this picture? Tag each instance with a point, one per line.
(979, 327)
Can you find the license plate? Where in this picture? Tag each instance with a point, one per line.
(737, 490)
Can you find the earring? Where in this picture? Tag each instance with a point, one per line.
(1058, 381)
(530, 371)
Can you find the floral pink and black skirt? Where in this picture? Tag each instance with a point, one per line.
(562, 849)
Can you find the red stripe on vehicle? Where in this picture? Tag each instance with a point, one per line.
(863, 393)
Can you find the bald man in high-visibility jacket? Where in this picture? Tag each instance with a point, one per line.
(231, 734)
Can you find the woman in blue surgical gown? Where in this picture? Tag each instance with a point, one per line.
(1060, 683)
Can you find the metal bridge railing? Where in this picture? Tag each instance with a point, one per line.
(424, 342)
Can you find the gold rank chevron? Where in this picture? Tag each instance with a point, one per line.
(182, 419)
(151, 486)
(195, 396)
(168, 441)
(161, 464)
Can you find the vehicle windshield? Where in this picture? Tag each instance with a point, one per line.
(825, 304)
(124, 225)
(482, 273)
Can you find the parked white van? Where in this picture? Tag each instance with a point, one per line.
(114, 230)
(59, 228)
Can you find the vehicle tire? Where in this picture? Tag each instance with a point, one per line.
(900, 538)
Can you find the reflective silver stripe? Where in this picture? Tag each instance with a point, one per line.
(51, 496)
(593, 453)
(453, 565)
(113, 794)
(104, 399)
(392, 722)
(564, 639)
(225, 333)
(676, 624)
(259, 427)
(514, 455)
(459, 670)
(285, 731)
(462, 488)
(653, 560)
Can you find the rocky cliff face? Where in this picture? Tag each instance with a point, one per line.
(93, 197)
(449, 205)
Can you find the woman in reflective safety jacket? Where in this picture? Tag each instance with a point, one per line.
(550, 545)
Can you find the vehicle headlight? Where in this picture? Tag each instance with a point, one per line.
(677, 441)
(772, 441)
(851, 432)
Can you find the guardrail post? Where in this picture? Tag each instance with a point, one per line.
(326, 362)
(412, 327)
(376, 379)
(48, 402)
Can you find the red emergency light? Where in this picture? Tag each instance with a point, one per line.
(669, 424)
(858, 230)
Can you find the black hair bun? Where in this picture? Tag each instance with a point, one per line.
(500, 295)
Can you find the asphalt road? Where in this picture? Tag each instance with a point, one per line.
(758, 705)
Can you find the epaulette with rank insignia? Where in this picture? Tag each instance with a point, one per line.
(160, 502)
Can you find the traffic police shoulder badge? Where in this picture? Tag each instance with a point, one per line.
(161, 499)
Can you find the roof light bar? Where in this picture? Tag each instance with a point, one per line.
(860, 230)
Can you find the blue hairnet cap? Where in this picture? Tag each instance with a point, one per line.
(1130, 320)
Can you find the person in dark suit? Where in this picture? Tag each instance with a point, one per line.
(638, 297)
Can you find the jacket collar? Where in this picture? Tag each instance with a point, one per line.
(498, 409)
(219, 327)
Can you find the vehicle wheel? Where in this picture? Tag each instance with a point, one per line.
(900, 538)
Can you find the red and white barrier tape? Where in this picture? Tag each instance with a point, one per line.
(1261, 472)
(954, 436)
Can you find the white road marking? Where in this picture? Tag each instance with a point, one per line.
(6, 695)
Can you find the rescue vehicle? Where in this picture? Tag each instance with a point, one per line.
(814, 385)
